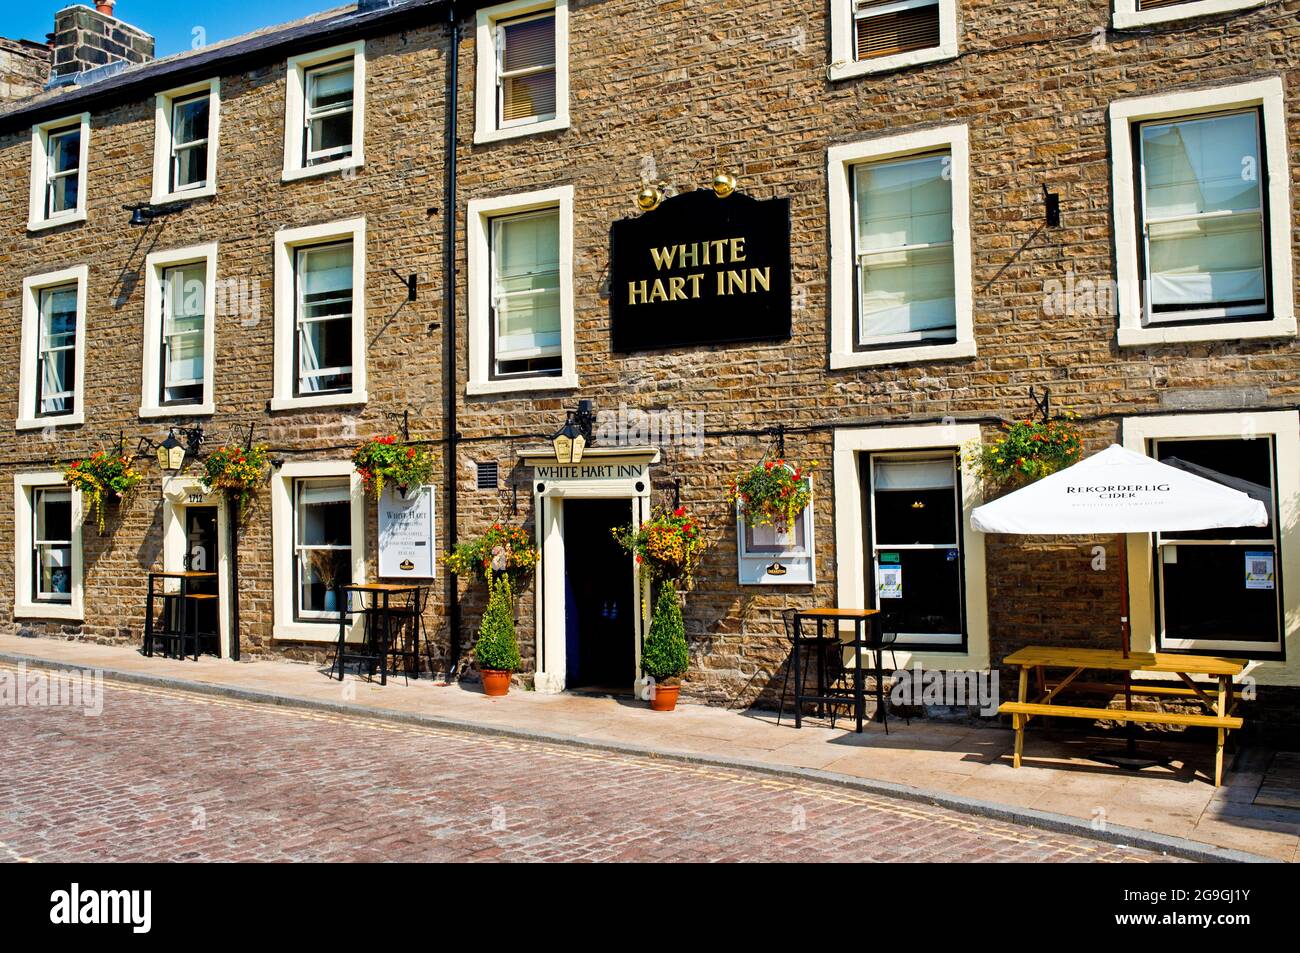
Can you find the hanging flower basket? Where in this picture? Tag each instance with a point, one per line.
(102, 478)
(502, 549)
(1026, 451)
(235, 471)
(386, 460)
(668, 546)
(774, 493)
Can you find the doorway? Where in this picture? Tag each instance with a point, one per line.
(201, 555)
(599, 597)
(195, 530)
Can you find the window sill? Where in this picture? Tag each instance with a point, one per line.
(49, 610)
(884, 64)
(312, 632)
(40, 423)
(1282, 327)
(40, 225)
(324, 400)
(167, 198)
(1126, 19)
(564, 382)
(325, 168)
(180, 410)
(902, 355)
(514, 132)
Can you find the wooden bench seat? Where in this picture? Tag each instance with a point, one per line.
(1022, 712)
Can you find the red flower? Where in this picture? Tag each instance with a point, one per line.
(679, 512)
(410, 452)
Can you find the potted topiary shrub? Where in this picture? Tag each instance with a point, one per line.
(665, 656)
(496, 650)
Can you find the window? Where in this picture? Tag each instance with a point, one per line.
(47, 553)
(526, 294)
(914, 530)
(320, 315)
(185, 146)
(1229, 591)
(322, 552)
(521, 292)
(180, 300)
(323, 274)
(523, 70)
(871, 36)
(900, 249)
(903, 497)
(51, 545)
(318, 517)
(1202, 216)
(1209, 597)
(53, 349)
(903, 251)
(58, 183)
(1138, 13)
(325, 111)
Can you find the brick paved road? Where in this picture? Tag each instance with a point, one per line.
(166, 775)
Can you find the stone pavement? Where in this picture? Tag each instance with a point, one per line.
(946, 764)
(165, 774)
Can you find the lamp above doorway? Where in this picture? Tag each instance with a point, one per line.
(571, 440)
(172, 452)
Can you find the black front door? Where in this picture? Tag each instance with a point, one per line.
(599, 609)
(201, 556)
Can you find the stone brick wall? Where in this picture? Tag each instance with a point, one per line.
(685, 87)
(24, 68)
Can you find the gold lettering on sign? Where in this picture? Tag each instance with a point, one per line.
(715, 252)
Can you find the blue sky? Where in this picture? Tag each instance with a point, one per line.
(172, 22)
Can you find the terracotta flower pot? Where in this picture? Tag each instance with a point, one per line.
(495, 682)
(664, 697)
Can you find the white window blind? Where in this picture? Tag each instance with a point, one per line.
(56, 357)
(904, 261)
(905, 475)
(1203, 221)
(526, 286)
(526, 69)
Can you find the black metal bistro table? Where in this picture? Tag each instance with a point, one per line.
(379, 618)
(183, 601)
(866, 636)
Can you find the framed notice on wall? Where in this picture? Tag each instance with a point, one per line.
(767, 556)
(407, 534)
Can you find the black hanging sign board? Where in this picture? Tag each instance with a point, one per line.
(700, 269)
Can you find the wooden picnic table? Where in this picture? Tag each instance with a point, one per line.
(1221, 703)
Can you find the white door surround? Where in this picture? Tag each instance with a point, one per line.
(618, 473)
(178, 493)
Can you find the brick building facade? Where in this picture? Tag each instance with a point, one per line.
(794, 100)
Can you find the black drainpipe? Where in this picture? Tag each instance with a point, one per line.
(232, 525)
(449, 312)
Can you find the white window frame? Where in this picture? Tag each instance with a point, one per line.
(851, 561)
(287, 242)
(296, 68)
(480, 214)
(25, 607)
(487, 128)
(844, 66)
(28, 418)
(286, 627)
(155, 265)
(840, 161)
(1266, 95)
(36, 217)
(1284, 428)
(1126, 14)
(164, 115)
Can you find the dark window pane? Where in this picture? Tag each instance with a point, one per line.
(931, 602)
(1244, 465)
(915, 516)
(1205, 595)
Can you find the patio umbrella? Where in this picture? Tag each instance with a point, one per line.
(1119, 491)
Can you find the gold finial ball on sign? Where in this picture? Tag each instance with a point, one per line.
(724, 183)
(648, 198)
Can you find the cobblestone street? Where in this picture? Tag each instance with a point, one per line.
(167, 775)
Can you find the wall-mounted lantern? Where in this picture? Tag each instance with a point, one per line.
(572, 440)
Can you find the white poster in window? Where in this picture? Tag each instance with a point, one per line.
(1259, 570)
(406, 534)
(889, 582)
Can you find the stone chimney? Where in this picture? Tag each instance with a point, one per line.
(24, 69)
(86, 38)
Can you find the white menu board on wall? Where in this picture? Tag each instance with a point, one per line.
(407, 534)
